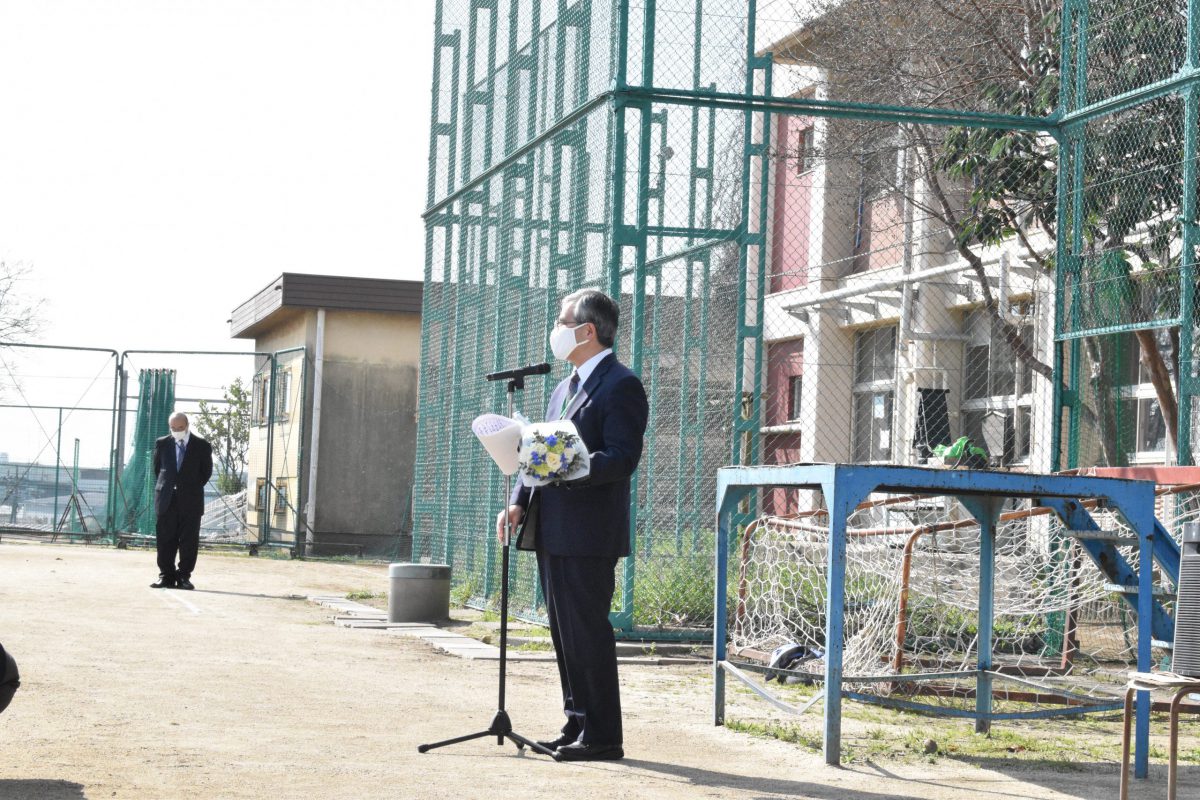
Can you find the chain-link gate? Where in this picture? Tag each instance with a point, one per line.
(56, 439)
(79, 427)
(278, 442)
(212, 389)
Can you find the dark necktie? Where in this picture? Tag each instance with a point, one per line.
(178, 455)
(572, 388)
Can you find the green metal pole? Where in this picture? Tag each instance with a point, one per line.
(57, 464)
(265, 502)
(299, 533)
(77, 517)
(429, 314)
(1060, 398)
(637, 328)
(1191, 240)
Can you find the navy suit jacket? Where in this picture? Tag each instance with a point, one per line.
(590, 516)
(186, 484)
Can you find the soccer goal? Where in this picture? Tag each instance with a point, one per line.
(950, 591)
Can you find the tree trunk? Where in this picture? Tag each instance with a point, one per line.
(1161, 378)
(1106, 413)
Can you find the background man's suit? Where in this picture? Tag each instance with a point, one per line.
(179, 503)
(582, 529)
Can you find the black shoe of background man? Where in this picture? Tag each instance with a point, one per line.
(163, 583)
(183, 583)
(578, 751)
(561, 741)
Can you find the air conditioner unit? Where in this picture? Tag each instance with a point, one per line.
(1185, 657)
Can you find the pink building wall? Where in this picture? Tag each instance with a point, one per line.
(882, 243)
(791, 233)
(785, 360)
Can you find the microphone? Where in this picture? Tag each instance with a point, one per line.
(519, 372)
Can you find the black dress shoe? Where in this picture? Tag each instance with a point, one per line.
(163, 583)
(578, 751)
(183, 583)
(559, 742)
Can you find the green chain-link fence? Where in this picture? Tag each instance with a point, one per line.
(838, 231)
(110, 407)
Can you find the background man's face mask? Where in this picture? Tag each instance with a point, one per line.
(179, 435)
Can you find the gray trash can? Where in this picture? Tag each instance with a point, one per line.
(418, 592)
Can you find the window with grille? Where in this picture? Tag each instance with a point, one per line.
(874, 394)
(795, 393)
(805, 150)
(1145, 430)
(258, 400)
(283, 394)
(281, 500)
(997, 384)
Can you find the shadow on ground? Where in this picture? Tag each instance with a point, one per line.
(251, 594)
(1052, 774)
(37, 789)
(760, 786)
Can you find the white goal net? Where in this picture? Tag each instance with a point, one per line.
(913, 587)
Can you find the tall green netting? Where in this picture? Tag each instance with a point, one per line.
(838, 231)
(156, 402)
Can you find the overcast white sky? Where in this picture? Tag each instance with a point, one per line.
(163, 160)
(186, 152)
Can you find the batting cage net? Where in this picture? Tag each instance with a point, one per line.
(955, 233)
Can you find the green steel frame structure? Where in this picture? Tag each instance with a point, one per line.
(1076, 111)
(551, 129)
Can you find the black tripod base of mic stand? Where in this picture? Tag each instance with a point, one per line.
(501, 728)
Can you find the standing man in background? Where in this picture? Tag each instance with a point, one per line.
(182, 466)
(583, 525)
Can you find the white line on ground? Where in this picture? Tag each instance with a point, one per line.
(174, 595)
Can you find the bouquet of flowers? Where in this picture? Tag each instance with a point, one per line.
(552, 452)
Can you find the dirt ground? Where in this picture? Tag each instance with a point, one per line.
(241, 689)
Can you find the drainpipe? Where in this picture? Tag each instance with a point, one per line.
(906, 302)
(310, 508)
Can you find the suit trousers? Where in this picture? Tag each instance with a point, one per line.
(579, 592)
(177, 532)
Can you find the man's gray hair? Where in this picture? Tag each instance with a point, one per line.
(178, 415)
(594, 306)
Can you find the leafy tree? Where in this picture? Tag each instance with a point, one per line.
(1131, 201)
(992, 186)
(226, 425)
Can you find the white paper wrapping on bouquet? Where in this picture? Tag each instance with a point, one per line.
(580, 466)
(501, 437)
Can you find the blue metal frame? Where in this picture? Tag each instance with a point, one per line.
(982, 493)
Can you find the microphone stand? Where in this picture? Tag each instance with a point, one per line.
(501, 726)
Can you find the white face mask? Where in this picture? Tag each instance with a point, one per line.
(562, 341)
(179, 435)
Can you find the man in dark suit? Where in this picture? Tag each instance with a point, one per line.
(182, 467)
(583, 525)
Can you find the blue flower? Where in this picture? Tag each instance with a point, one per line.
(534, 458)
(551, 440)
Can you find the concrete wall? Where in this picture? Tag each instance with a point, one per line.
(368, 433)
(368, 426)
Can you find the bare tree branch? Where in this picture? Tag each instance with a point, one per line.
(20, 315)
